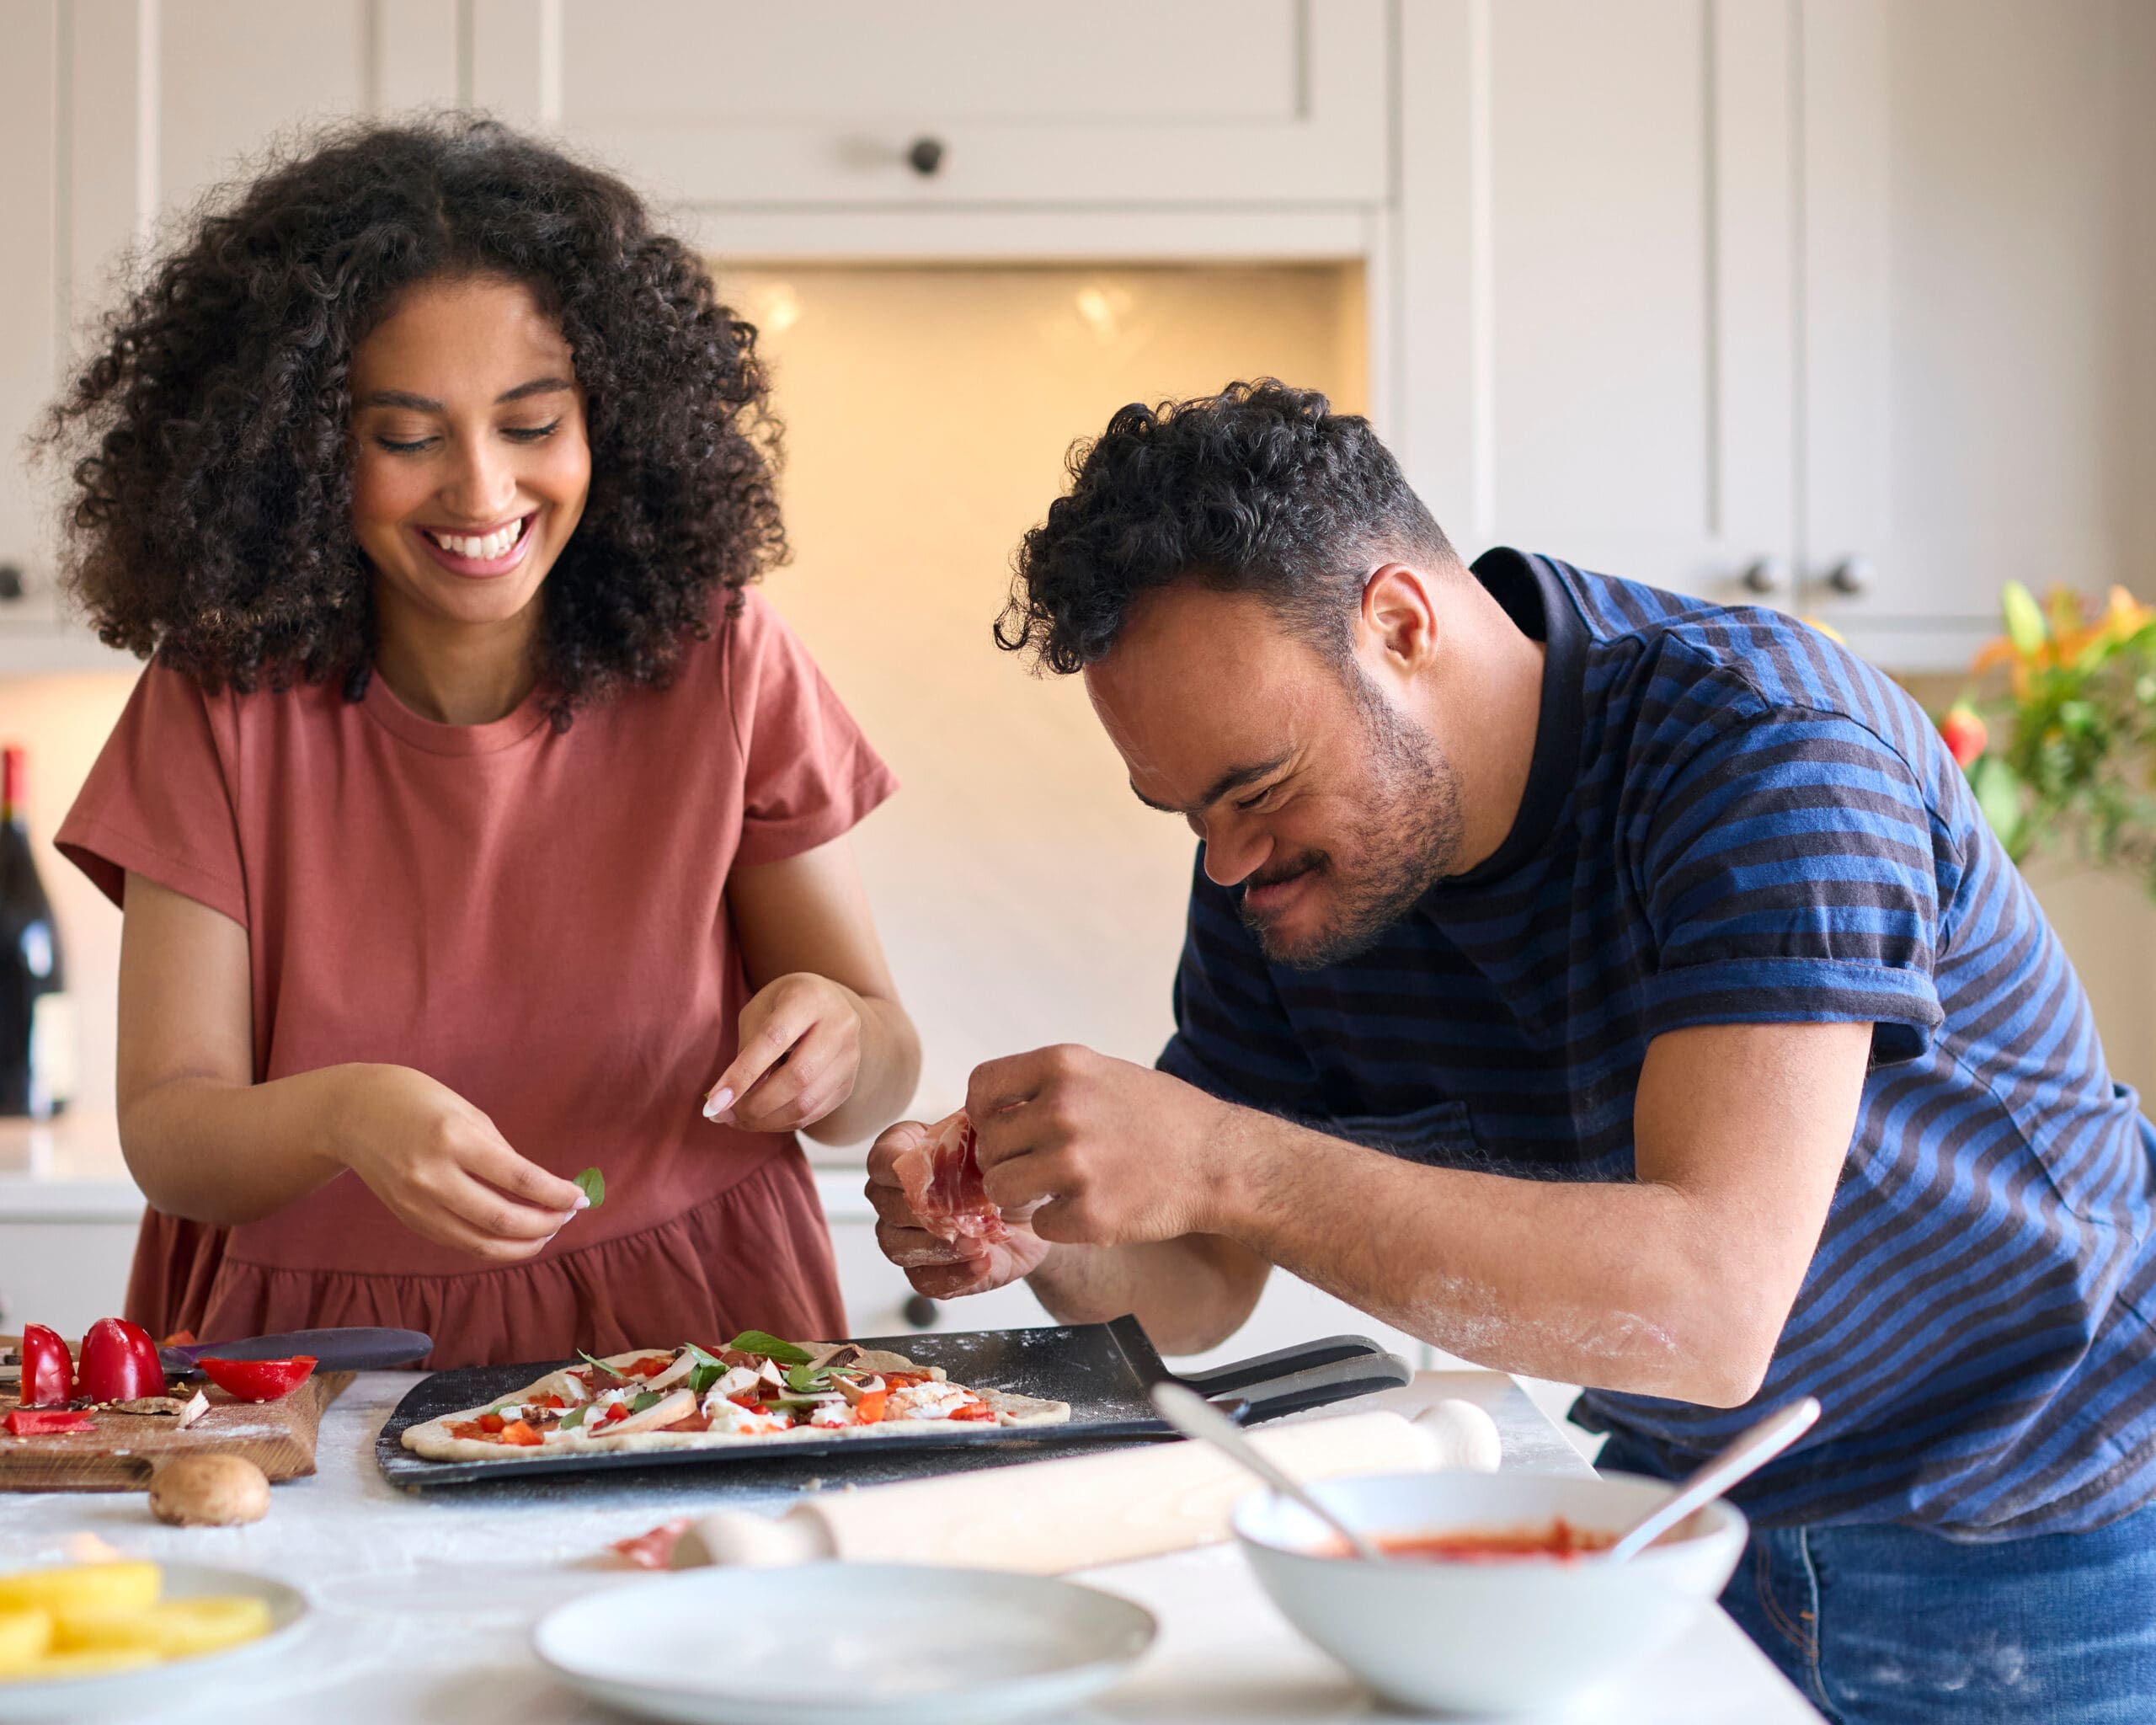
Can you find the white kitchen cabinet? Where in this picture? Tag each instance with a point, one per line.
(971, 102)
(1858, 292)
(66, 1271)
(1595, 305)
(1979, 267)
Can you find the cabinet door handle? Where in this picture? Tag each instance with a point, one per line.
(1851, 576)
(925, 156)
(1770, 574)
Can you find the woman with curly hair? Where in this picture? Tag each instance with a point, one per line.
(472, 819)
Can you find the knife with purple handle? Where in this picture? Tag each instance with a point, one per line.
(333, 1350)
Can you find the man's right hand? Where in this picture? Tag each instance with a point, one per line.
(442, 1169)
(942, 1269)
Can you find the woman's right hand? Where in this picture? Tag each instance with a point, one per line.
(443, 1169)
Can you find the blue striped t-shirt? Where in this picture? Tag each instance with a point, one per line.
(1729, 819)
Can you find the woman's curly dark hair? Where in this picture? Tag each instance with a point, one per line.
(1261, 489)
(212, 518)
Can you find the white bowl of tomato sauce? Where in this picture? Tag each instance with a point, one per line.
(1495, 1598)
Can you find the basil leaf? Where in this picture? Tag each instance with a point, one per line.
(597, 1365)
(769, 1347)
(593, 1184)
(646, 1398)
(575, 1418)
(807, 1378)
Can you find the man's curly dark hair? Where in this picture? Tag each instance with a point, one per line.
(1261, 489)
(210, 521)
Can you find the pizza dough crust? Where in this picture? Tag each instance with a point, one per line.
(432, 1441)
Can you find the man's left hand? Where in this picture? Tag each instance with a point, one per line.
(1115, 1153)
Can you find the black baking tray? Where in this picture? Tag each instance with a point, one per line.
(1104, 1371)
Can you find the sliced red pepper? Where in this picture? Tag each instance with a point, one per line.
(521, 1435)
(869, 1409)
(619, 1410)
(38, 1422)
(549, 1400)
(258, 1380)
(972, 1410)
(119, 1362)
(649, 1366)
(48, 1374)
(491, 1422)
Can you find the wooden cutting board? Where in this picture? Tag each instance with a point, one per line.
(278, 1437)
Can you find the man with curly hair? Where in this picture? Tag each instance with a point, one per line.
(1608, 987)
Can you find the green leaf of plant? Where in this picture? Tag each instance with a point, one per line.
(767, 1346)
(646, 1398)
(575, 1418)
(2024, 617)
(593, 1184)
(1997, 788)
(597, 1365)
(807, 1379)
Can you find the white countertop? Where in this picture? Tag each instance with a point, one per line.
(424, 1602)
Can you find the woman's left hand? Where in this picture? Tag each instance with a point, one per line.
(799, 1056)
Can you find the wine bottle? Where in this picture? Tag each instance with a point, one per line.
(36, 1050)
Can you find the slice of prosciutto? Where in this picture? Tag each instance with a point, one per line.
(941, 1177)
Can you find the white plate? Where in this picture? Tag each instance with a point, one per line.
(142, 1691)
(834, 1643)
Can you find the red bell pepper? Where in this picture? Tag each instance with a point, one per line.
(519, 1432)
(48, 1374)
(258, 1380)
(119, 1362)
(37, 1421)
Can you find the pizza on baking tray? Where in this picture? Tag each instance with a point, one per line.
(757, 1389)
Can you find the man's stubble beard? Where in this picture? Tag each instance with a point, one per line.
(1409, 839)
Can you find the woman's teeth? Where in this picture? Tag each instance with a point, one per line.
(495, 544)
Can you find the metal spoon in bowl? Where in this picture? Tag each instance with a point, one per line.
(1751, 1450)
(1195, 1417)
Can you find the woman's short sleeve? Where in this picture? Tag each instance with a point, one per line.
(160, 803)
(810, 774)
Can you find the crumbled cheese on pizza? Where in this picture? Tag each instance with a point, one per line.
(931, 1401)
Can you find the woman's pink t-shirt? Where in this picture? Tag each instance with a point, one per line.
(538, 920)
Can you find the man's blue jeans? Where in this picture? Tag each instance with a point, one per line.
(1892, 1625)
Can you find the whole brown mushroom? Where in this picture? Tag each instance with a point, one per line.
(209, 1491)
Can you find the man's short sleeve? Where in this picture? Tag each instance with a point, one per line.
(1233, 1037)
(1790, 875)
(160, 801)
(808, 773)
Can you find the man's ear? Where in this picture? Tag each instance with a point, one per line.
(1400, 615)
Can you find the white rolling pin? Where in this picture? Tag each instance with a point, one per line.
(1043, 1518)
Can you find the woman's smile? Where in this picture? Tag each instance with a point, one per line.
(479, 553)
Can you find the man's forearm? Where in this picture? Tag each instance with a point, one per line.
(1190, 1294)
(1606, 1284)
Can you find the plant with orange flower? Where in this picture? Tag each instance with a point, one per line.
(2077, 763)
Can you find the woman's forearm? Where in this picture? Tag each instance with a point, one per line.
(210, 1151)
(890, 1068)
